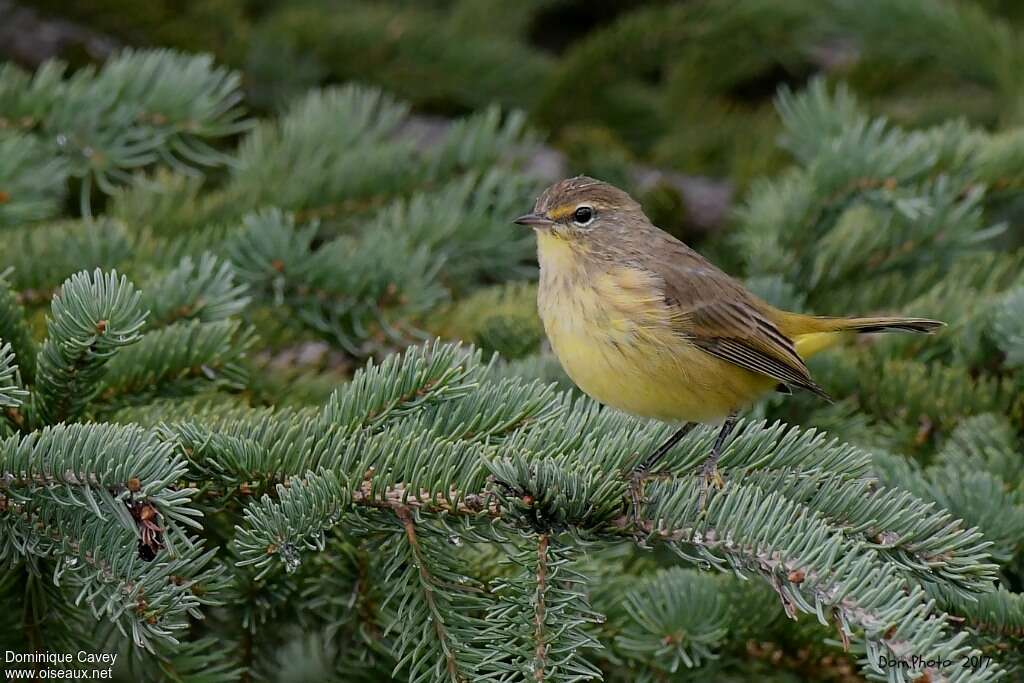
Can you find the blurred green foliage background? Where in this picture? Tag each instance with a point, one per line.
(812, 198)
(685, 87)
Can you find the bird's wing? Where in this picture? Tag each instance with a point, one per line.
(718, 315)
(742, 336)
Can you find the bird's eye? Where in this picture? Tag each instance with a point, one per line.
(583, 215)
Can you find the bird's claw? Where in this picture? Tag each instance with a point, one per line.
(709, 476)
(636, 491)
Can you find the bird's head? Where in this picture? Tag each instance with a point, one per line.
(585, 210)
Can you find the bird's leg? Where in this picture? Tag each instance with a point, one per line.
(639, 473)
(654, 458)
(709, 470)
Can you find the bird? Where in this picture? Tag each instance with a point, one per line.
(641, 322)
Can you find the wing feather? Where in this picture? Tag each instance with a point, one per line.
(719, 316)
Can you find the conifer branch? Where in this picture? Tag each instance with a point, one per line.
(404, 383)
(202, 290)
(42, 257)
(437, 617)
(32, 181)
(100, 501)
(296, 521)
(539, 637)
(140, 108)
(675, 618)
(345, 290)
(542, 615)
(11, 393)
(14, 330)
(175, 358)
(92, 318)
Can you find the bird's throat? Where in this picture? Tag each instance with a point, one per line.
(559, 258)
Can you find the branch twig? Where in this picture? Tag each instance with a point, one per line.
(405, 517)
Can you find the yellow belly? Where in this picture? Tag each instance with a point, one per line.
(611, 334)
(672, 382)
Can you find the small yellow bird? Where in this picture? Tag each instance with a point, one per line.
(643, 323)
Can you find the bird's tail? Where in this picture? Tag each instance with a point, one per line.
(884, 324)
(812, 334)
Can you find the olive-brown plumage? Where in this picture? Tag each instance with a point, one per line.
(644, 323)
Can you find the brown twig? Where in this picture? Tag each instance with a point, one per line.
(399, 497)
(405, 517)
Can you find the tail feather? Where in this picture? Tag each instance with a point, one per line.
(812, 334)
(887, 324)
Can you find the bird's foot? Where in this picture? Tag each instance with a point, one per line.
(642, 472)
(637, 479)
(709, 476)
(636, 494)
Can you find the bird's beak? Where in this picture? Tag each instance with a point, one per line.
(533, 220)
